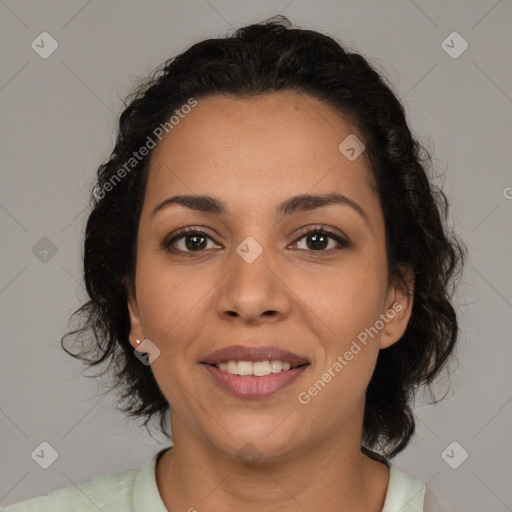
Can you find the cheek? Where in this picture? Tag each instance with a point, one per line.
(170, 301)
(171, 313)
(344, 313)
(347, 299)
(345, 306)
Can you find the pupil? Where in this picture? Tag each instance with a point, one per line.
(323, 237)
(193, 245)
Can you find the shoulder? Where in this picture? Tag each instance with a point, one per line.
(109, 493)
(409, 494)
(405, 493)
(431, 503)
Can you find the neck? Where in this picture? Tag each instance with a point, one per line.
(328, 477)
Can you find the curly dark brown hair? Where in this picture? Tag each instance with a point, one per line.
(263, 58)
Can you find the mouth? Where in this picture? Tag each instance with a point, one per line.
(254, 372)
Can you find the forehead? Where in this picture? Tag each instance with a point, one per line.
(256, 150)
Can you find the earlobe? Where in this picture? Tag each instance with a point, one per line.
(398, 311)
(135, 324)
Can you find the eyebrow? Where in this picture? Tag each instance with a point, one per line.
(300, 203)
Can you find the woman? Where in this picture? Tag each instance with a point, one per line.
(268, 269)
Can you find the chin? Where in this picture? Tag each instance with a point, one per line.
(261, 444)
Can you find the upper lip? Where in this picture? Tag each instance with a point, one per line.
(254, 354)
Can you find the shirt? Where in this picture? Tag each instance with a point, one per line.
(135, 490)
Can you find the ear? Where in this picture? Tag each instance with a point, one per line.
(398, 310)
(135, 323)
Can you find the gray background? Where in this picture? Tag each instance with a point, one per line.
(58, 124)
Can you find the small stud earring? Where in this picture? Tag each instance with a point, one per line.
(138, 342)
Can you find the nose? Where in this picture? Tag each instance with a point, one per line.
(253, 292)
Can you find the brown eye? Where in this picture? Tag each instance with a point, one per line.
(193, 240)
(318, 240)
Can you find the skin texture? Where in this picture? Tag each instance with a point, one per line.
(252, 154)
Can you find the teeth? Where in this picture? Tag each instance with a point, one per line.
(276, 366)
(259, 369)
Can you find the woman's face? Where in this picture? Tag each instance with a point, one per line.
(255, 279)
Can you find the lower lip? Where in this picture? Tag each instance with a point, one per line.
(249, 386)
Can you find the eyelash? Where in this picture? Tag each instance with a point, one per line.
(167, 243)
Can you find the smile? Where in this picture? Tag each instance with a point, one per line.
(251, 385)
